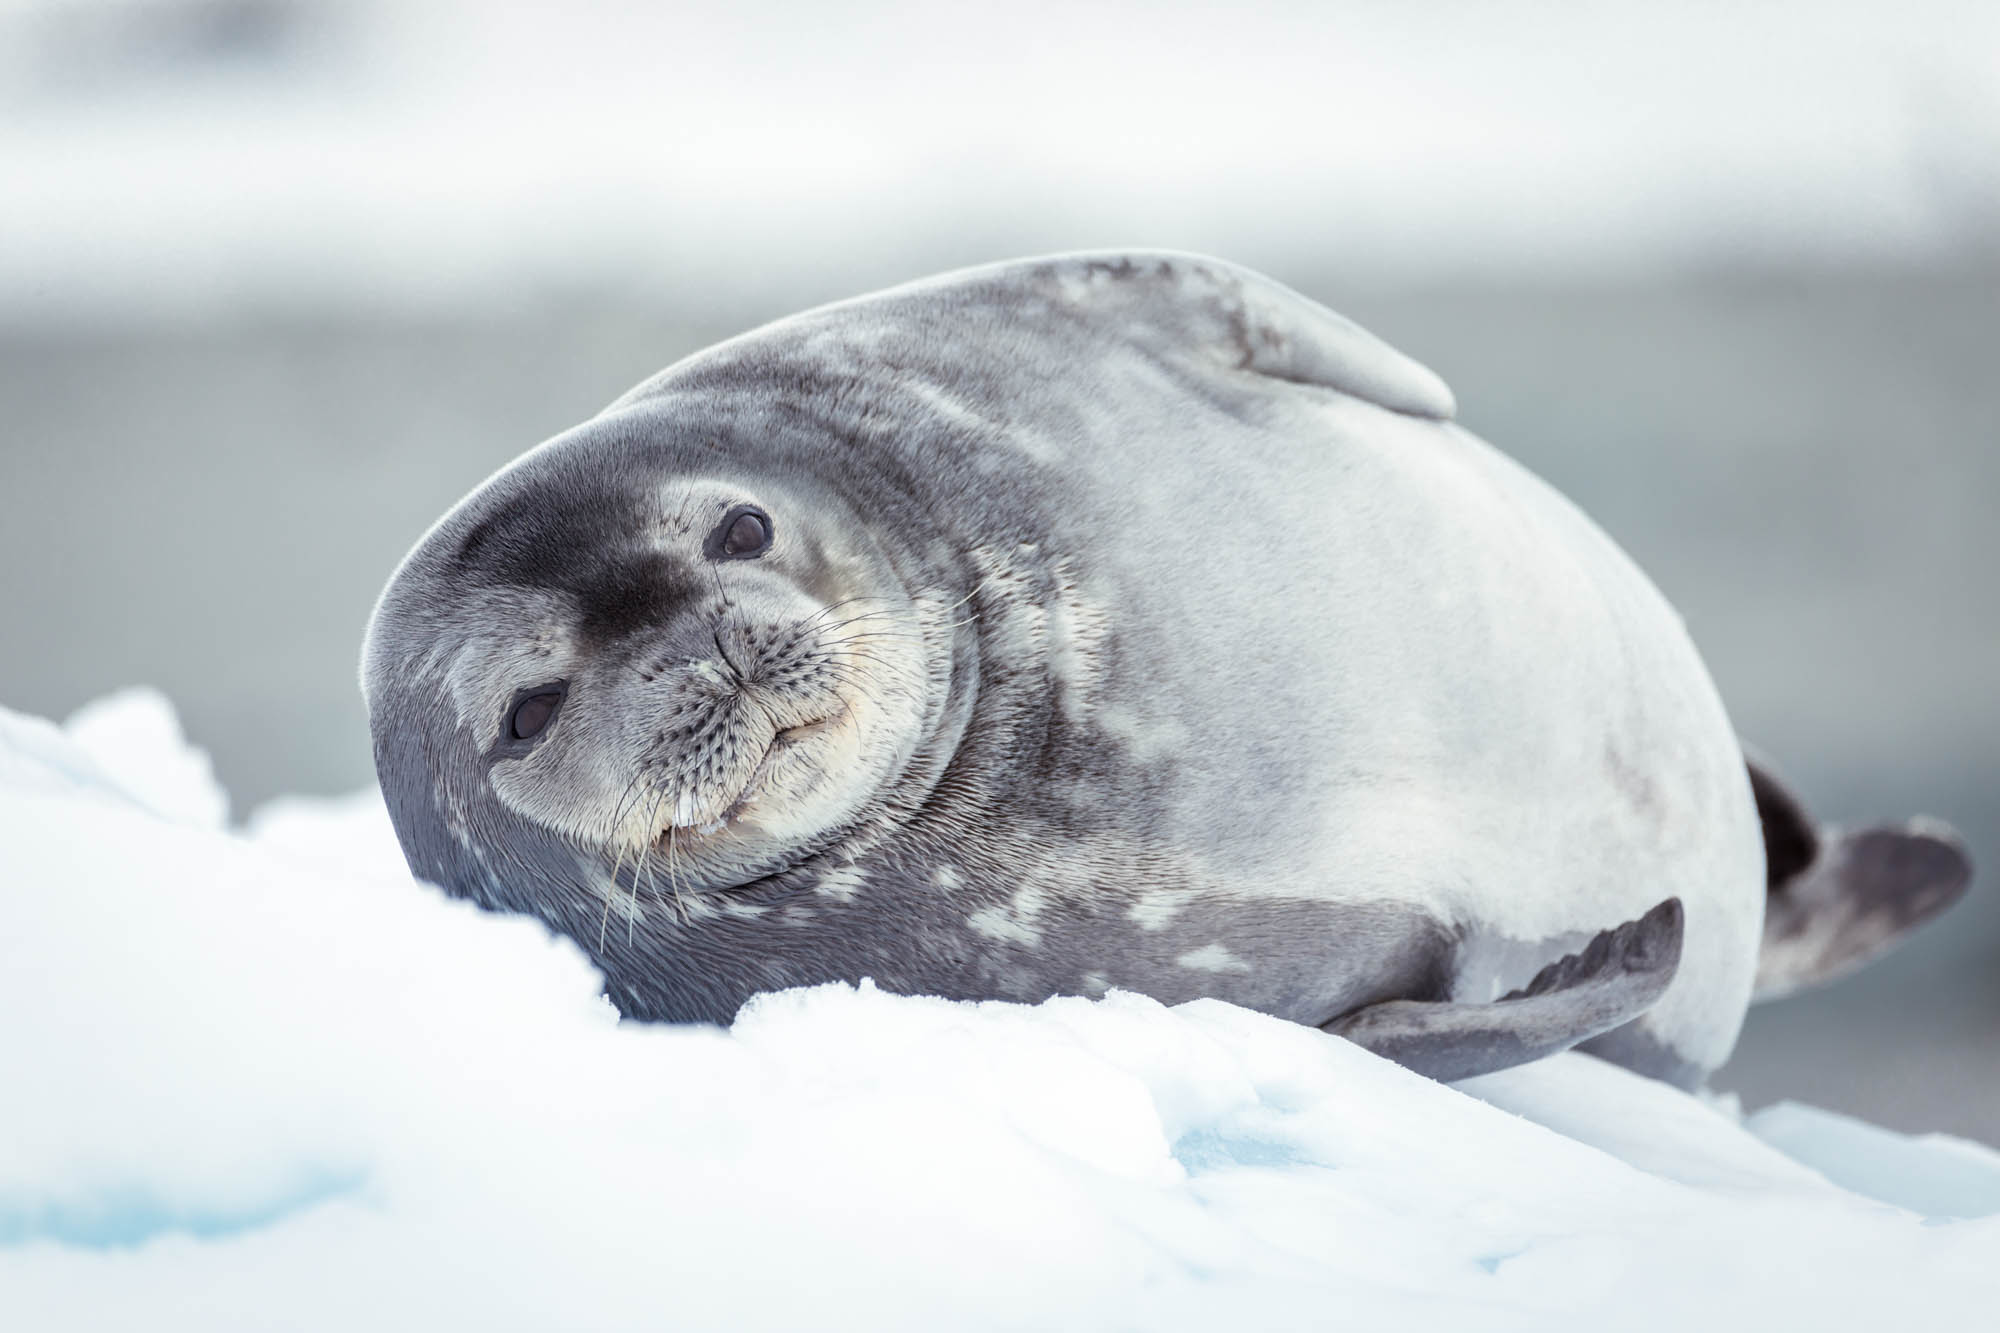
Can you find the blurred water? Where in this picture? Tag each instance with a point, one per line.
(1805, 461)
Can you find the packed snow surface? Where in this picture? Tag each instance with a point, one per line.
(262, 1079)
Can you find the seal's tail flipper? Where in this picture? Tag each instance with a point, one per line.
(1837, 900)
(1612, 980)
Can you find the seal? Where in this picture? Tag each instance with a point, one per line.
(1099, 621)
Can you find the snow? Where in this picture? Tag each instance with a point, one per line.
(439, 153)
(1935, 1174)
(259, 1078)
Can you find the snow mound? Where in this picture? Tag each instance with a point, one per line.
(264, 1079)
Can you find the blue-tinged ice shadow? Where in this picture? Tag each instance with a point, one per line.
(126, 1218)
(1939, 1177)
(1204, 1150)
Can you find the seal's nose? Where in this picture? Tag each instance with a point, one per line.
(685, 647)
(738, 651)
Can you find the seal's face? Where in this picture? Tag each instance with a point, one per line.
(686, 685)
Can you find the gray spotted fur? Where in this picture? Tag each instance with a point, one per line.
(1158, 703)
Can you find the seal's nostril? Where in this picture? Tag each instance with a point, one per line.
(738, 655)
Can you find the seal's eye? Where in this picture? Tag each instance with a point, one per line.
(532, 715)
(744, 534)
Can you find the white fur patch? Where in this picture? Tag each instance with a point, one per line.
(1211, 958)
(996, 924)
(1157, 909)
(1017, 922)
(842, 884)
(1076, 630)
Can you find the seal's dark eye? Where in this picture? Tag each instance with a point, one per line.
(532, 714)
(744, 534)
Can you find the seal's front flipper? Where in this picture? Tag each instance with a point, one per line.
(1837, 900)
(1612, 980)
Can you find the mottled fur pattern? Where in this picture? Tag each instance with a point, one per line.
(1206, 658)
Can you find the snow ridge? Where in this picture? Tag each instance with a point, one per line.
(261, 1078)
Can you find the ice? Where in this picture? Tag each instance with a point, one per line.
(1937, 1175)
(262, 1079)
(135, 740)
(433, 153)
(344, 833)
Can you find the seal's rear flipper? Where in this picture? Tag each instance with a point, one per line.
(1611, 981)
(1835, 900)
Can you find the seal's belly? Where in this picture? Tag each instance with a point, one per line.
(1421, 679)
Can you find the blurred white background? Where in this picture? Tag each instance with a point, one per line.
(189, 156)
(280, 279)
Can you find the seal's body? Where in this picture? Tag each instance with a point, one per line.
(1081, 623)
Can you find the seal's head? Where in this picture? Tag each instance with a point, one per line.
(630, 656)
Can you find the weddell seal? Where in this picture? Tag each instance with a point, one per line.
(1101, 621)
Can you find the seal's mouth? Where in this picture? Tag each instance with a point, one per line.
(786, 739)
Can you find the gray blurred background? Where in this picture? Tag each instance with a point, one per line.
(281, 279)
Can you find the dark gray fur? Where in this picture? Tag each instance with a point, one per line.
(1028, 847)
(1008, 789)
(1839, 899)
(1612, 981)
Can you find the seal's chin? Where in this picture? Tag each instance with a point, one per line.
(682, 826)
